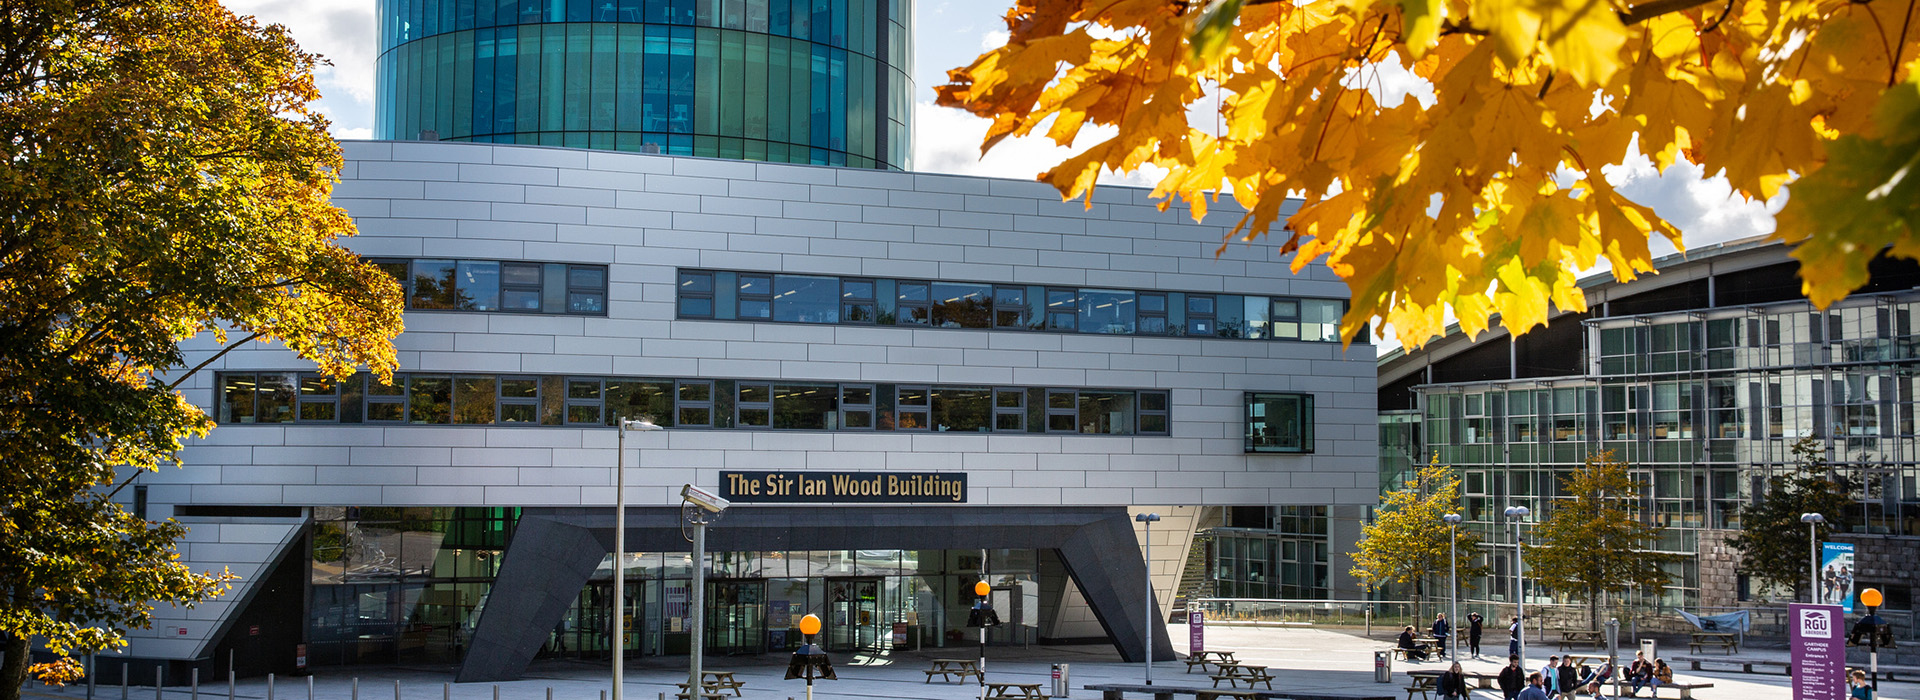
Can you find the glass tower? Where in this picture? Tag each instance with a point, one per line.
(825, 82)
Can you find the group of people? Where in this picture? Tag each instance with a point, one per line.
(1557, 680)
(1442, 631)
(1836, 584)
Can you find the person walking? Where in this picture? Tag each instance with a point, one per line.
(1441, 630)
(1452, 684)
(1569, 681)
(1533, 691)
(1550, 676)
(1473, 633)
(1512, 679)
(1857, 686)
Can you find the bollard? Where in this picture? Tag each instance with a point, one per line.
(196, 684)
(309, 687)
(269, 686)
(229, 684)
(159, 680)
(356, 688)
(123, 680)
(496, 691)
(91, 669)
(549, 692)
(396, 689)
(446, 691)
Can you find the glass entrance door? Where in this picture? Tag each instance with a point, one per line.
(854, 619)
(737, 617)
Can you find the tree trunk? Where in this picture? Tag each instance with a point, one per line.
(13, 672)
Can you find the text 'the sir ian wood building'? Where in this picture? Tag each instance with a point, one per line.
(699, 213)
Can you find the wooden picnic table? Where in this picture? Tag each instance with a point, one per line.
(715, 683)
(1205, 658)
(1432, 676)
(1725, 640)
(1234, 674)
(952, 669)
(1015, 691)
(1569, 638)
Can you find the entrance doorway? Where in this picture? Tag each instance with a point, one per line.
(588, 627)
(737, 617)
(854, 619)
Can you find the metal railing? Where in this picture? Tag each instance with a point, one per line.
(1767, 621)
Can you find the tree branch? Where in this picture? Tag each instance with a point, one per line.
(216, 356)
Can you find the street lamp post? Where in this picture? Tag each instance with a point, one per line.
(1146, 635)
(1453, 591)
(699, 508)
(1813, 521)
(1517, 514)
(620, 550)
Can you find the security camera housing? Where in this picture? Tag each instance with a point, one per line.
(708, 500)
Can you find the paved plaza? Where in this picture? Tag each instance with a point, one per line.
(1311, 662)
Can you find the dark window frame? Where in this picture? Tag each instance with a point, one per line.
(1304, 410)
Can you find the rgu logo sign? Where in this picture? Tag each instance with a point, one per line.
(1817, 624)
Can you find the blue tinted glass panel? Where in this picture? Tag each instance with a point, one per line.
(1107, 311)
(806, 299)
(962, 305)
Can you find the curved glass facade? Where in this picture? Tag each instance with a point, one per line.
(792, 81)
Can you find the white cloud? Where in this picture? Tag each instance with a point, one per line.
(342, 32)
(993, 40)
(357, 133)
(948, 141)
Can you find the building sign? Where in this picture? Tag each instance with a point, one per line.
(843, 487)
(1836, 575)
(1196, 632)
(1819, 652)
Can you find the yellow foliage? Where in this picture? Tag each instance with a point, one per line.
(1492, 198)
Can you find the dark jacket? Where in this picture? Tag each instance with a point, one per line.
(1406, 641)
(1442, 628)
(1569, 678)
(1512, 679)
(1451, 684)
(1473, 626)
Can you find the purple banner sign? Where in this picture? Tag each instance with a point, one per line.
(1196, 632)
(1819, 652)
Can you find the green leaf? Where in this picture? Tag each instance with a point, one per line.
(1210, 35)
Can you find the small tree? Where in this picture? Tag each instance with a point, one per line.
(1773, 542)
(1407, 540)
(1593, 545)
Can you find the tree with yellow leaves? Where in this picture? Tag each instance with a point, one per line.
(163, 178)
(1409, 544)
(1493, 197)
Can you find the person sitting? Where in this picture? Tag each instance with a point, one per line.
(1640, 673)
(1452, 684)
(1415, 650)
(1600, 674)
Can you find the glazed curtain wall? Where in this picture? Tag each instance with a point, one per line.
(801, 81)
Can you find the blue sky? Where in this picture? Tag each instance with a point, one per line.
(949, 33)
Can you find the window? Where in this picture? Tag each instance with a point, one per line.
(1062, 412)
(519, 287)
(638, 399)
(1062, 309)
(475, 399)
(1153, 413)
(1285, 319)
(319, 398)
(430, 399)
(857, 301)
(804, 299)
(434, 285)
(755, 405)
(696, 295)
(1010, 307)
(519, 400)
(913, 303)
(1010, 410)
(856, 406)
(479, 285)
(586, 289)
(236, 399)
(911, 407)
(1200, 315)
(805, 407)
(1107, 412)
(962, 305)
(1153, 314)
(694, 407)
(1279, 422)
(387, 403)
(1107, 311)
(958, 409)
(756, 296)
(583, 401)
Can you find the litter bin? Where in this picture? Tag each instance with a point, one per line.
(1060, 681)
(1383, 667)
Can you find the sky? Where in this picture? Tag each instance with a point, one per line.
(949, 34)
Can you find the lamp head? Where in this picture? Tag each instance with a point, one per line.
(641, 424)
(1872, 598)
(1518, 512)
(810, 625)
(1812, 518)
(707, 500)
(1147, 518)
(982, 588)
(1451, 518)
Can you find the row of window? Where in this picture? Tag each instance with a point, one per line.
(847, 24)
(648, 81)
(759, 296)
(484, 399)
(488, 285)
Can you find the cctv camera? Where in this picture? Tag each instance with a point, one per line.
(701, 497)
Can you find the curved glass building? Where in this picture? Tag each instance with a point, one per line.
(793, 81)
